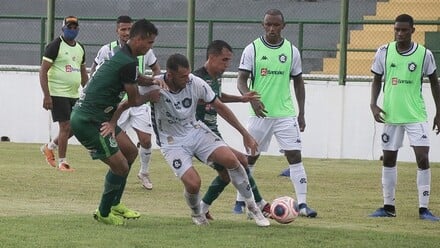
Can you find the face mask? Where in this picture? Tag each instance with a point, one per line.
(70, 34)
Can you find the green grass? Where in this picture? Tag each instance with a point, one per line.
(41, 207)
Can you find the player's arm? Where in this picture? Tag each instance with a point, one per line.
(300, 94)
(435, 90)
(44, 83)
(226, 113)
(155, 68)
(246, 97)
(243, 88)
(376, 86)
(84, 75)
(93, 68)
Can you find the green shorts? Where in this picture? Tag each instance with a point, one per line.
(86, 129)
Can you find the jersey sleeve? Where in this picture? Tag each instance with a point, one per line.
(150, 58)
(378, 66)
(247, 58)
(51, 52)
(296, 62)
(429, 66)
(128, 73)
(102, 55)
(203, 90)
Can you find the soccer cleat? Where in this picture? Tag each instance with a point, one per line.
(381, 212)
(64, 166)
(123, 211)
(427, 215)
(305, 211)
(209, 216)
(238, 208)
(50, 156)
(255, 213)
(200, 220)
(145, 180)
(111, 219)
(285, 173)
(266, 210)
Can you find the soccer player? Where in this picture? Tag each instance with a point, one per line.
(271, 61)
(95, 115)
(181, 137)
(138, 117)
(63, 70)
(402, 64)
(219, 56)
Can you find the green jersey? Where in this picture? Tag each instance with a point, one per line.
(271, 77)
(403, 101)
(106, 88)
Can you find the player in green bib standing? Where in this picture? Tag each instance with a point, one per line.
(401, 65)
(95, 115)
(271, 61)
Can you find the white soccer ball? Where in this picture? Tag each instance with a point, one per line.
(282, 210)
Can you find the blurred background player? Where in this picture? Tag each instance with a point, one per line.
(271, 61)
(402, 64)
(218, 58)
(138, 117)
(62, 71)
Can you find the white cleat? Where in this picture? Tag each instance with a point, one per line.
(200, 220)
(145, 181)
(257, 215)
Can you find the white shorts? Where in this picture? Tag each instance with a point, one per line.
(138, 117)
(392, 136)
(199, 143)
(285, 130)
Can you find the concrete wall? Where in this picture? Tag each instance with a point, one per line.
(338, 118)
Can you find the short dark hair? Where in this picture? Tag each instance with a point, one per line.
(405, 18)
(216, 47)
(275, 12)
(143, 28)
(176, 60)
(124, 19)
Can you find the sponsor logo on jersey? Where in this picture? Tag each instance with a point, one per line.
(394, 81)
(265, 72)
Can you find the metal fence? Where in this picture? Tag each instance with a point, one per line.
(313, 26)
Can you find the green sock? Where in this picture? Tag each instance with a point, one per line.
(118, 196)
(254, 186)
(112, 185)
(214, 190)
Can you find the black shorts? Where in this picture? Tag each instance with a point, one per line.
(62, 107)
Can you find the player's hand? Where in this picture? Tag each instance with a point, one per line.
(250, 96)
(161, 83)
(378, 113)
(154, 95)
(107, 128)
(250, 144)
(301, 122)
(47, 103)
(259, 109)
(436, 124)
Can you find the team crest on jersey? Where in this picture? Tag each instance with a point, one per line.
(187, 102)
(113, 142)
(412, 66)
(282, 58)
(177, 163)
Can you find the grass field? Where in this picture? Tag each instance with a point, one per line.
(41, 207)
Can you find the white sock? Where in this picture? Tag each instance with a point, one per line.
(193, 201)
(424, 187)
(241, 182)
(389, 181)
(52, 146)
(299, 180)
(204, 207)
(61, 160)
(145, 157)
(251, 169)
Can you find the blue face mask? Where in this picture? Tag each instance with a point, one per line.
(70, 34)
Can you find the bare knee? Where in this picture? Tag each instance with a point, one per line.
(293, 156)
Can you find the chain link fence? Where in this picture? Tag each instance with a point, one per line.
(313, 26)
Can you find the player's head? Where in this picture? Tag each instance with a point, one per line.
(403, 28)
(123, 27)
(219, 57)
(142, 36)
(273, 24)
(70, 27)
(178, 71)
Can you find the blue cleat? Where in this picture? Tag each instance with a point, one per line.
(305, 211)
(427, 215)
(285, 173)
(381, 212)
(239, 206)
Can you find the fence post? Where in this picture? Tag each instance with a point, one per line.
(190, 32)
(343, 42)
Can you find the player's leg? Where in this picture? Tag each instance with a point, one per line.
(392, 139)
(215, 189)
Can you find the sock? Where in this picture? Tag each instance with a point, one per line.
(299, 180)
(145, 157)
(251, 168)
(389, 181)
(52, 146)
(241, 183)
(424, 187)
(214, 190)
(204, 207)
(61, 160)
(254, 186)
(112, 185)
(118, 196)
(193, 202)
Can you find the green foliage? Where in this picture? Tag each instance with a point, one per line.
(41, 207)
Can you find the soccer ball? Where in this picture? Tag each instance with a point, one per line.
(283, 210)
